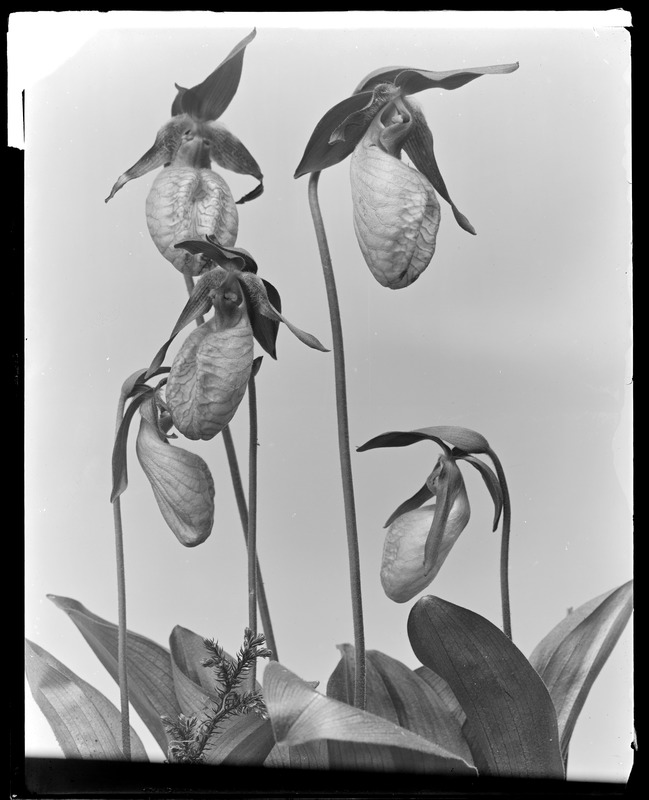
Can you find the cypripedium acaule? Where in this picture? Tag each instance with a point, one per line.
(188, 199)
(396, 211)
(209, 375)
(181, 481)
(419, 538)
(195, 113)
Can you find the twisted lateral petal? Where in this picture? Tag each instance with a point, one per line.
(396, 212)
(209, 376)
(181, 483)
(412, 80)
(256, 292)
(186, 202)
(164, 149)
(230, 153)
(418, 145)
(402, 568)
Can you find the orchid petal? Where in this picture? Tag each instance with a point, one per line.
(492, 483)
(382, 94)
(228, 257)
(418, 145)
(451, 498)
(399, 439)
(320, 153)
(209, 99)
(198, 304)
(182, 485)
(417, 500)
(259, 301)
(230, 153)
(167, 141)
(119, 460)
(412, 80)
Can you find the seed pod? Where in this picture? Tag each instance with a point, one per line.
(210, 373)
(402, 567)
(188, 201)
(396, 211)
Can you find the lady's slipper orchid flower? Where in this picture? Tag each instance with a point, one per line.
(396, 212)
(181, 481)
(195, 113)
(210, 373)
(232, 272)
(419, 539)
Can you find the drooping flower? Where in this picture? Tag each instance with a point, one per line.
(195, 114)
(396, 212)
(419, 538)
(210, 373)
(181, 481)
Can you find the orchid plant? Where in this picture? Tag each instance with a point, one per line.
(476, 705)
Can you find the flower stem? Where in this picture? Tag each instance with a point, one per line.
(504, 545)
(239, 494)
(252, 517)
(121, 610)
(343, 442)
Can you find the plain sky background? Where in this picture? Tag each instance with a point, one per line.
(521, 332)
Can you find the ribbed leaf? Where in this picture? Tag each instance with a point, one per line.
(193, 683)
(85, 723)
(512, 724)
(398, 694)
(571, 656)
(209, 99)
(312, 755)
(246, 740)
(150, 680)
(299, 715)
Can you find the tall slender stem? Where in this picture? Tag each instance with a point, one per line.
(343, 442)
(504, 545)
(252, 517)
(121, 610)
(239, 493)
(240, 497)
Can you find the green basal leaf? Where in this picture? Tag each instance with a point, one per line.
(86, 724)
(300, 715)
(398, 694)
(247, 741)
(511, 721)
(150, 680)
(193, 683)
(571, 656)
